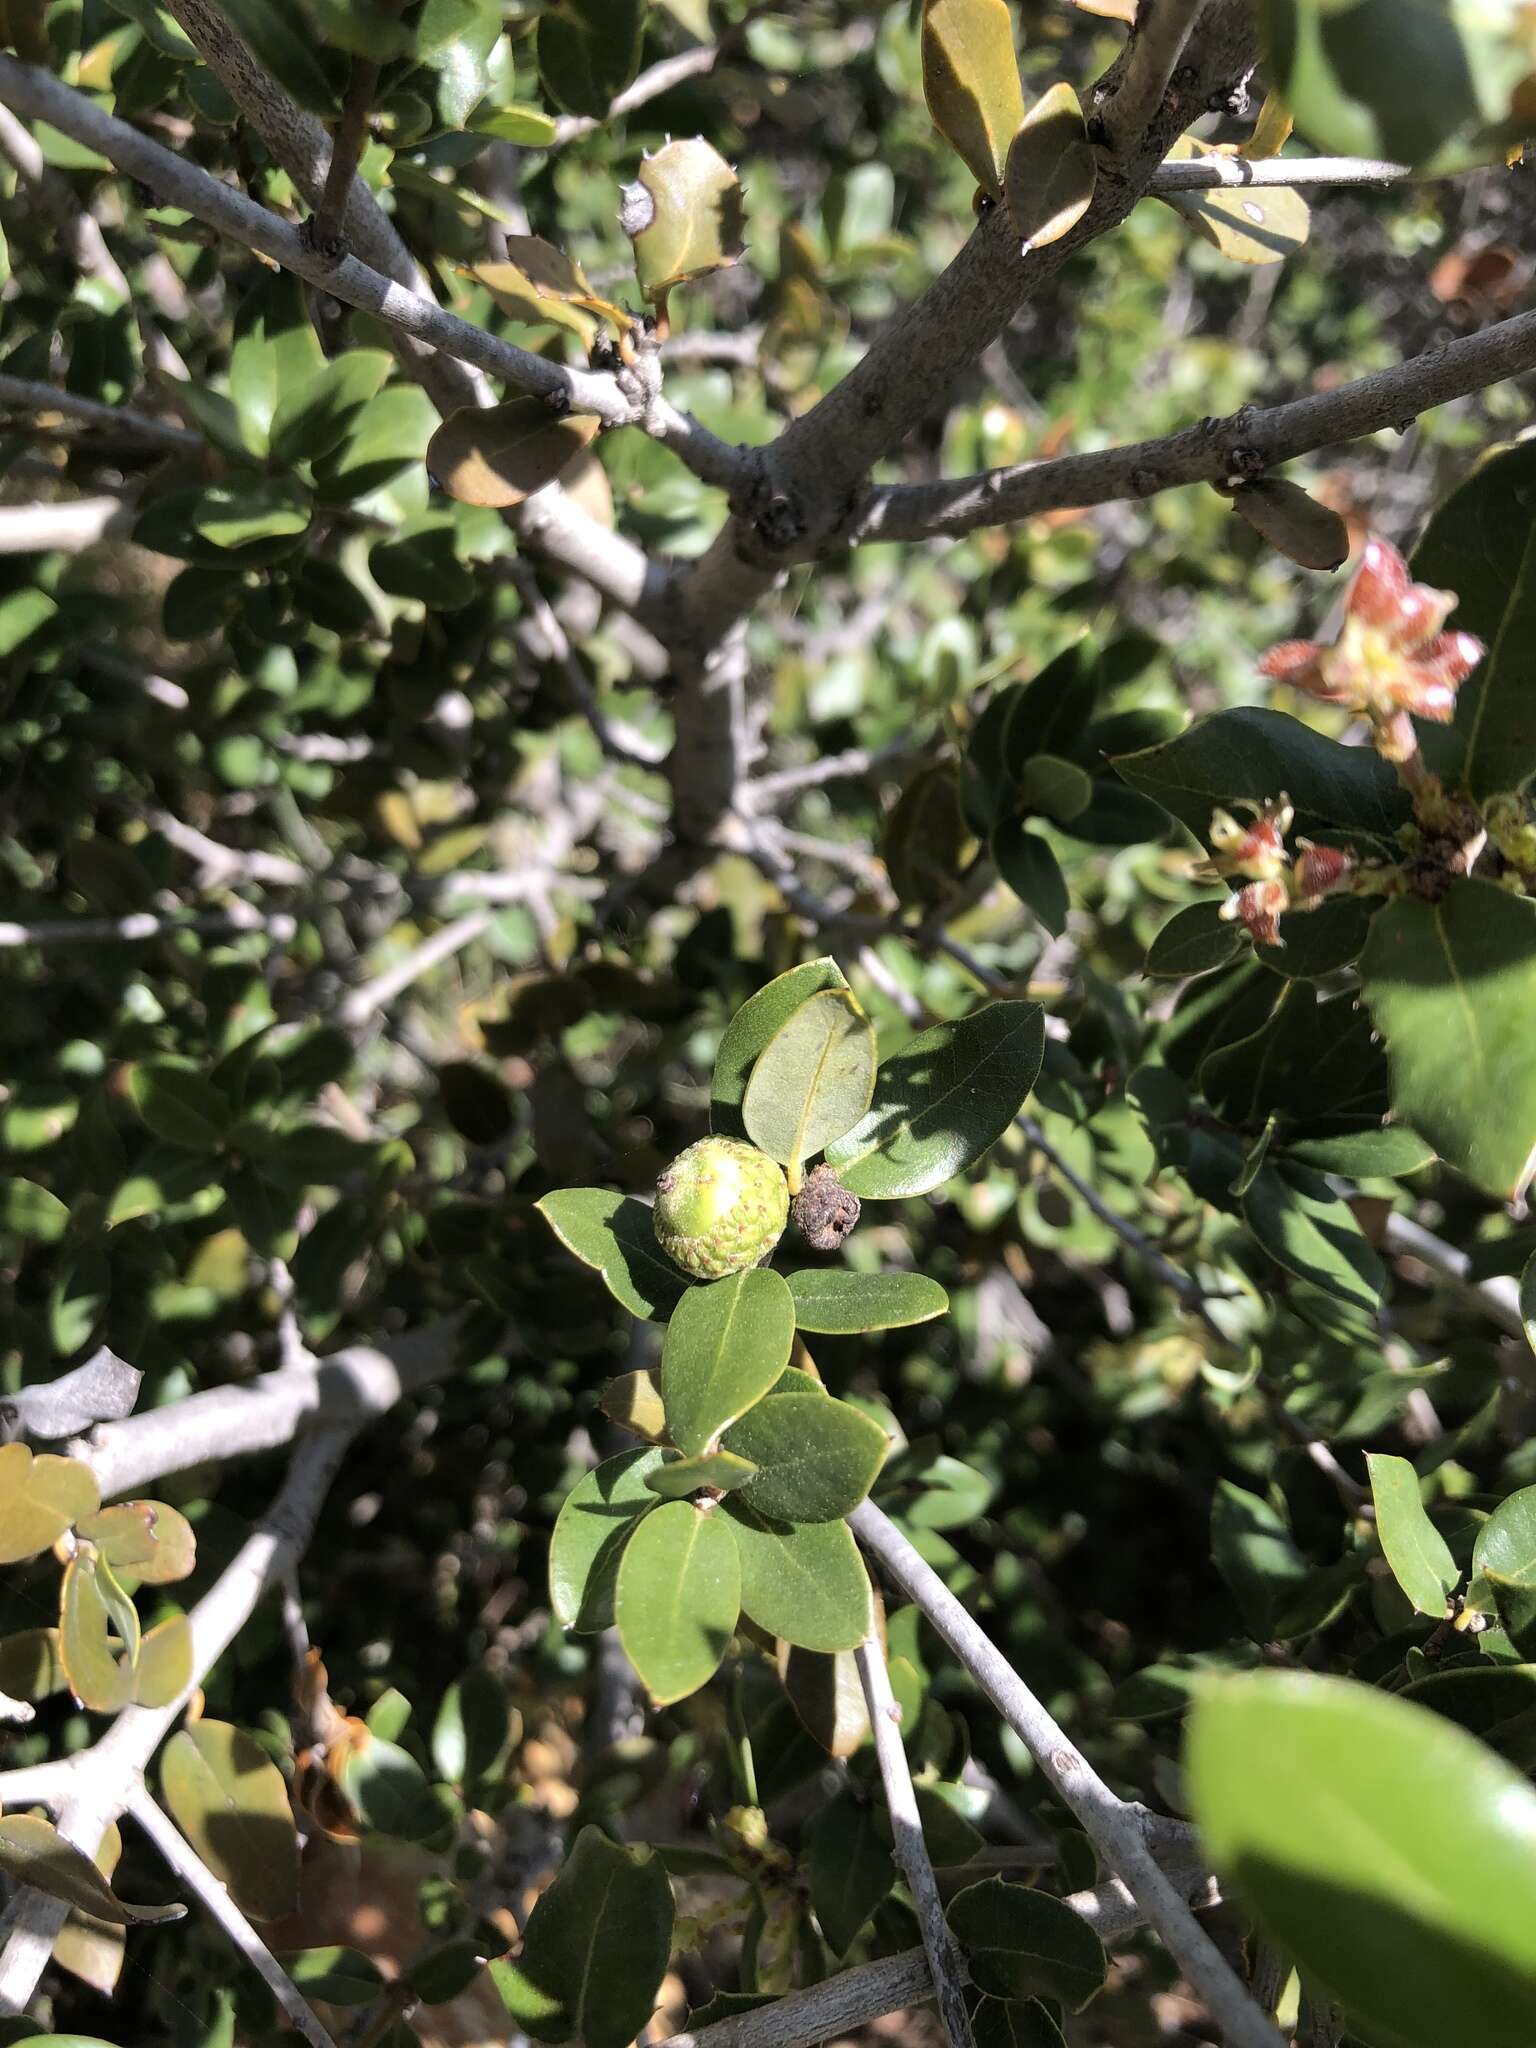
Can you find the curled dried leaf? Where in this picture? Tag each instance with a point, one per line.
(1311, 535)
(501, 454)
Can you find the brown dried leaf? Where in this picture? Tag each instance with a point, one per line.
(1310, 534)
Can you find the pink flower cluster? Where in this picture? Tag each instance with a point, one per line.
(1393, 661)
(1255, 853)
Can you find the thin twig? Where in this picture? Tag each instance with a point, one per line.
(1151, 58)
(72, 526)
(373, 996)
(1115, 1828)
(912, 1856)
(28, 395)
(852, 766)
(140, 925)
(327, 225)
(650, 85)
(355, 283)
(1498, 1297)
(617, 739)
(1203, 174)
(185, 1863)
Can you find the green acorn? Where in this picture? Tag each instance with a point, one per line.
(720, 1206)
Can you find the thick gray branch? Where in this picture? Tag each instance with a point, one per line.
(104, 1389)
(1205, 453)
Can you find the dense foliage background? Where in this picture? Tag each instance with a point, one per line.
(350, 916)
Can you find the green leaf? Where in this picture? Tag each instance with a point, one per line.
(40, 1497)
(1389, 1153)
(615, 1235)
(971, 83)
(316, 417)
(1254, 1551)
(98, 1679)
(677, 1598)
(1345, 795)
(1032, 872)
(1527, 1300)
(1430, 83)
(951, 1494)
(591, 1529)
(598, 1941)
(835, 1302)
(145, 1537)
(588, 51)
(540, 286)
(1312, 1060)
(500, 455)
(1481, 543)
(827, 1695)
(1306, 1229)
(338, 1976)
(1056, 788)
(1419, 1555)
(1020, 1942)
(850, 1869)
(387, 1789)
(677, 1478)
(1195, 940)
(33, 1852)
(684, 216)
(275, 351)
(816, 1458)
(1384, 1850)
(1051, 171)
(1451, 987)
(454, 40)
(1248, 224)
(390, 436)
(805, 1583)
(230, 1801)
(473, 1729)
(725, 1347)
(1504, 1560)
(245, 510)
(179, 1105)
(943, 1101)
(813, 1081)
(1015, 2023)
(750, 1032)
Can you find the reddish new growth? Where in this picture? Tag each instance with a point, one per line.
(1392, 658)
(1256, 854)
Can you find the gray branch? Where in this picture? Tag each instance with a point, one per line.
(104, 1389)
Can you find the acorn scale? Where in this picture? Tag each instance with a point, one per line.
(720, 1206)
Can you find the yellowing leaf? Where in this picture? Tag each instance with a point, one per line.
(1051, 170)
(92, 1949)
(1247, 223)
(501, 454)
(39, 1499)
(165, 1663)
(1271, 131)
(683, 215)
(152, 1542)
(1111, 10)
(96, 1677)
(229, 1800)
(540, 286)
(971, 83)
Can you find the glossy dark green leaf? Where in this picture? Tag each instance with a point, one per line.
(748, 1034)
(1015, 2023)
(813, 1080)
(388, 1790)
(1451, 987)
(1032, 872)
(595, 1521)
(851, 1869)
(816, 1458)
(615, 1235)
(316, 416)
(836, 1302)
(1390, 1152)
(1313, 1234)
(1022, 1943)
(474, 1727)
(1058, 789)
(677, 1598)
(1312, 1060)
(1319, 942)
(1419, 1555)
(1385, 1850)
(725, 1347)
(1481, 543)
(1253, 1549)
(597, 1942)
(806, 1584)
(1195, 940)
(588, 51)
(1342, 795)
(942, 1102)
